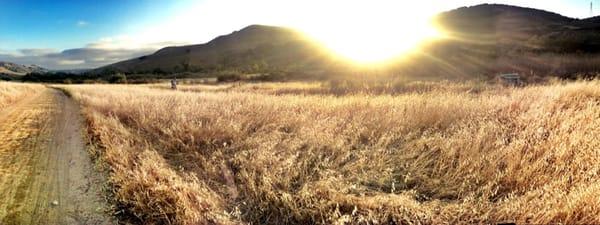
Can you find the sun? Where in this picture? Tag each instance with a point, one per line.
(378, 45)
(376, 32)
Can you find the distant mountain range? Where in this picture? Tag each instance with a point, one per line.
(484, 39)
(481, 40)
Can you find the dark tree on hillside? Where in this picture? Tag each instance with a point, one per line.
(118, 79)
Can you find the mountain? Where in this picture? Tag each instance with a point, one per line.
(255, 48)
(481, 40)
(488, 39)
(524, 29)
(72, 71)
(11, 70)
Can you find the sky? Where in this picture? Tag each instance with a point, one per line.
(74, 34)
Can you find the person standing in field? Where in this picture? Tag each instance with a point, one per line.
(174, 84)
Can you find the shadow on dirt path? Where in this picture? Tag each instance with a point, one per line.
(46, 173)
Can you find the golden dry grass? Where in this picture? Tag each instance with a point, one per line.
(337, 87)
(440, 156)
(11, 93)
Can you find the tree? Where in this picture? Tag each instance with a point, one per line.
(118, 78)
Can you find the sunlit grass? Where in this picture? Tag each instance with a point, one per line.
(11, 93)
(442, 155)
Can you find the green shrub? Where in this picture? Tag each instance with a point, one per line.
(118, 79)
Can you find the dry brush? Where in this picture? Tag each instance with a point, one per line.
(11, 93)
(528, 155)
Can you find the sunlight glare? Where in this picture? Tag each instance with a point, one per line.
(372, 32)
(375, 45)
(360, 31)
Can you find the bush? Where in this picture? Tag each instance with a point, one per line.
(229, 77)
(118, 79)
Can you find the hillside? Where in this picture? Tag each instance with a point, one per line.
(8, 68)
(12, 71)
(253, 49)
(511, 28)
(488, 39)
(482, 40)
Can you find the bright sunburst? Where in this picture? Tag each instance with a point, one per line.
(372, 33)
(379, 45)
(362, 31)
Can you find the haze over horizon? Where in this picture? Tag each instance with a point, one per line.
(67, 35)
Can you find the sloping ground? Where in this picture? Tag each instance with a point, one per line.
(17, 69)
(9, 72)
(253, 48)
(46, 174)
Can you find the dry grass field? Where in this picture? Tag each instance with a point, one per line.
(338, 87)
(11, 93)
(294, 154)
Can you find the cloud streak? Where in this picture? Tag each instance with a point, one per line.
(82, 23)
(93, 55)
(78, 58)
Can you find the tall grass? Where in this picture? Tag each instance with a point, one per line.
(526, 155)
(339, 87)
(11, 93)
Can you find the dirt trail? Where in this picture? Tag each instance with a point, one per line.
(46, 174)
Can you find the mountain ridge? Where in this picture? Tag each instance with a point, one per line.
(247, 49)
(490, 32)
(14, 69)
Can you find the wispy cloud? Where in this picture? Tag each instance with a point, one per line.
(36, 51)
(93, 55)
(128, 42)
(82, 23)
(70, 62)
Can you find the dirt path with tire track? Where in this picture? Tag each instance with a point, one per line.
(46, 174)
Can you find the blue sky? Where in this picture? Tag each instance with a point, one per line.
(68, 24)
(86, 34)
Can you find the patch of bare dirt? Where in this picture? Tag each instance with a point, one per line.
(46, 173)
